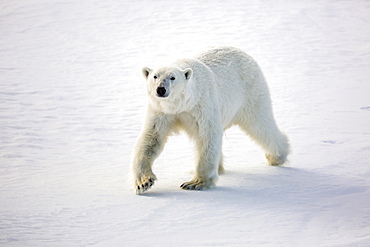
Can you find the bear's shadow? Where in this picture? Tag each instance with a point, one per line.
(271, 186)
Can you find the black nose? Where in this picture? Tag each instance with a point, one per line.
(161, 91)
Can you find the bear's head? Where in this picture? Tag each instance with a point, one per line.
(166, 82)
(166, 86)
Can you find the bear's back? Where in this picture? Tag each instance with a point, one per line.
(224, 56)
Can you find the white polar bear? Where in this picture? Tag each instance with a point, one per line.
(204, 96)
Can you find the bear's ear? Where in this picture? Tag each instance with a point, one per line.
(146, 71)
(188, 73)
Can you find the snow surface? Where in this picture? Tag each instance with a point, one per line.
(72, 103)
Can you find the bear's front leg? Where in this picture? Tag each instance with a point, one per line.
(209, 145)
(147, 148)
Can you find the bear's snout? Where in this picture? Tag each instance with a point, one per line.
(161, 91)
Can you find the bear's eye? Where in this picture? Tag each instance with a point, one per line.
(155, 77)
(172, 78)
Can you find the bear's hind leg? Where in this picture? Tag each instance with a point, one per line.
(265, 132)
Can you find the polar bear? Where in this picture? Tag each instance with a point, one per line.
(204, 96)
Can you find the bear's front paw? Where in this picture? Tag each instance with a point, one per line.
(197, 184)
(144, 184)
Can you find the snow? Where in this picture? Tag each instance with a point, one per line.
(72, 102)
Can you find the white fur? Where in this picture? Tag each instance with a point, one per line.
(204, 96)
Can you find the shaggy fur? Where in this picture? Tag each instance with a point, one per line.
(204, 96)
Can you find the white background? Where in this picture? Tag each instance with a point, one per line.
(72, 102)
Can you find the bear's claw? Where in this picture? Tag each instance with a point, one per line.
(145, 185)
(192, 185)
(187, 186)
